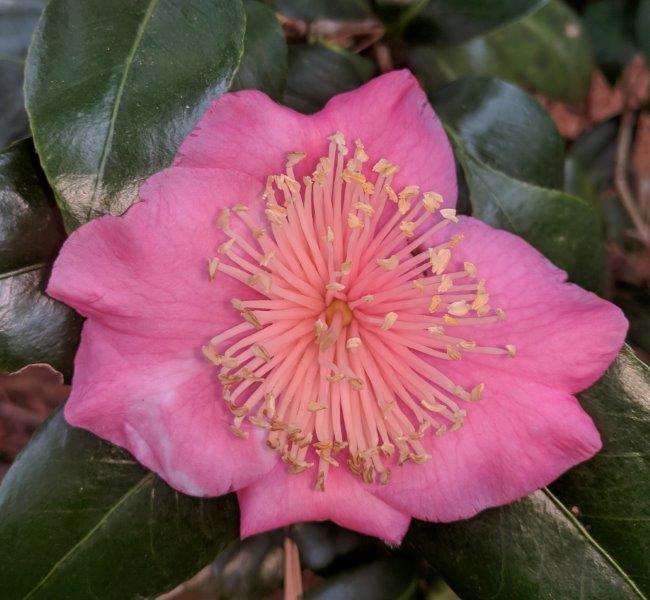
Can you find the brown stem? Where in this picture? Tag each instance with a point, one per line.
(292, 570)
(620, 177)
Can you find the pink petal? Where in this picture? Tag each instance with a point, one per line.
(148, 269)
(247, 131)
(140, 379)
(565, 336)
(279, 499)
(528, 428)
(521, 436)
(165, 408)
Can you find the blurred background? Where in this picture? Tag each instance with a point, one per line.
(586, 64)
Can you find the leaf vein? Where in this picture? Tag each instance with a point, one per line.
(110, 132)
(146, 479)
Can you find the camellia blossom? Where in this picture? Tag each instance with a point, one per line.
(294, 311)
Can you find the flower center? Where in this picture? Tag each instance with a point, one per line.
(341, 352)
(338, 306)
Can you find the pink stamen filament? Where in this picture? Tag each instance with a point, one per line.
(328, 357)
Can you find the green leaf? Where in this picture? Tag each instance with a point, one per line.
(33, 327)
(17, 21)
(534, 548)
(318, 71)
(386, 579)
(311, 10)
(635, 303)
(595, 151)
(112, 89)
(82, 519)
(264, 62)
(577, 182)
(454, 21)
(325, 547)
(508, 149)
(545, 50)
(592, 155)
(610, 24)
(611, 492)
(252, 568)
(643, 28)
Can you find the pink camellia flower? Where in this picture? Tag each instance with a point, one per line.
(295, 312)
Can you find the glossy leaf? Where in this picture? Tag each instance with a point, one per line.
(33, 327)
(611, 492)
(610, 24)
(454, 21)
(112, 89)
(264, 62)
(318, 71)
(642, 26)
(82, 519)
(577, 182)
(595, 151)
(534, 548)
(325, 547)
(17, 21)
(635, 303)
(311, 10)
(387, 579)
(511, 154)
(545, 50)
(250, 569)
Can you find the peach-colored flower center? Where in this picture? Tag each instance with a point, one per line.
(329, 356)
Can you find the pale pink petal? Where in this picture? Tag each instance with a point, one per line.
(520, 437)
(565, 336)
(140, 379)
(249, 132)
(279, 499)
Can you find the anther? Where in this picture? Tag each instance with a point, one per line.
(446, 283)
(388, 263)
(470, 269)
(453, 353)
(449, 214)
(293, 158)
(346, 267)
(353, 343)
(431, 201)
(354, 222)
(389, 321)
(391, 193)
(458, 309)
(477, 392)
(365, 208)
(407, 228)
(439, 260)
(223, 220)
(213, 267)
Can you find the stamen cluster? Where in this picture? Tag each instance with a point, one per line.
(330, 359)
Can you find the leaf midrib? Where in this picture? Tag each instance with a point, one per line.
(110, 132)
(593, 543)
(122, 500)
(25, 269)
